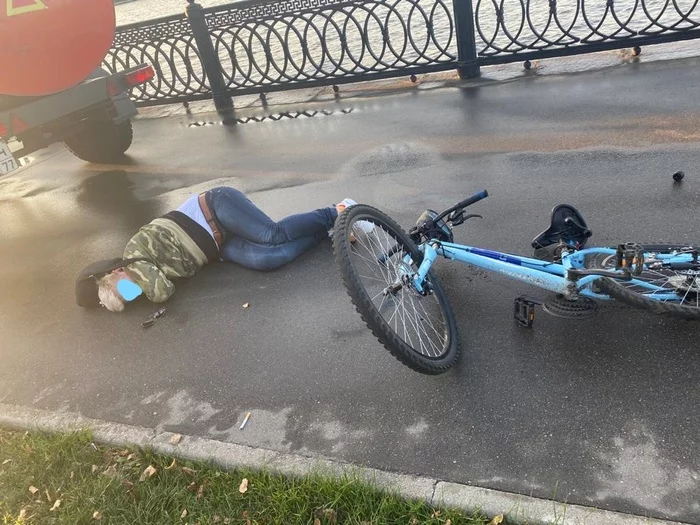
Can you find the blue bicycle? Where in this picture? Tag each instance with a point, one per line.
(388, 275)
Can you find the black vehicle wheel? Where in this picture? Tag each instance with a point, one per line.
(101, 141)
(376, 258)
(684, 285)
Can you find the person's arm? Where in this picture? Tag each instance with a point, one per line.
(155, 285)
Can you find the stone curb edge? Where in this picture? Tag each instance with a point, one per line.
(521, 509)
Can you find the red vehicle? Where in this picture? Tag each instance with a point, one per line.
(51, 86)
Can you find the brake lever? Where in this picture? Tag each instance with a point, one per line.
(459, 218)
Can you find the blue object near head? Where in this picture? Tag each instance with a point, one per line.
(129, 290)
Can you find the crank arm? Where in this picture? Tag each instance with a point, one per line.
(575, 274)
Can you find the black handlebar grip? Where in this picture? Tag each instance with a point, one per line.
(471, 200)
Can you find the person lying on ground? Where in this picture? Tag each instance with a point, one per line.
(221, 224)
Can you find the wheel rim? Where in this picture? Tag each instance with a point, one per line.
(416, 319)
(678, 287)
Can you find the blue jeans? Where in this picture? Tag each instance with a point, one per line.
(255, 241)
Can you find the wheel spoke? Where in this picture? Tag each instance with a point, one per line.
(416, 319)
(674, 287)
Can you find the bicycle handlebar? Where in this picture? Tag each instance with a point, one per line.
(473, 199)
(463, 204)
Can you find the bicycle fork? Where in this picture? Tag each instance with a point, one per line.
(429, 256)
(406, 275)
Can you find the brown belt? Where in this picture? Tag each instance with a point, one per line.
(209, 216)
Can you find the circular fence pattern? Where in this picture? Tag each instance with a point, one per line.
(169, 46)
(350, 39)
(513, 26)
(265, 45)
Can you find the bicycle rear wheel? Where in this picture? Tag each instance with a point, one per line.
(377, 258)
(664, 291)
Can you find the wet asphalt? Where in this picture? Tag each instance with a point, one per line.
(598, 412)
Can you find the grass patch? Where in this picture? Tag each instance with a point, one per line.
(66, 478)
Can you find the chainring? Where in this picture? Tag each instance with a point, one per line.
(559, 306)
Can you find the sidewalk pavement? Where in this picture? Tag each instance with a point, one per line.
(516, 508)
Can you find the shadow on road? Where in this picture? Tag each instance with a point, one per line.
(113, 193)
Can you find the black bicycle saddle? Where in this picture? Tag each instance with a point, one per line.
(567, 225)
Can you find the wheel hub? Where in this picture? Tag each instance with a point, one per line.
(393, 289)
(686, 282)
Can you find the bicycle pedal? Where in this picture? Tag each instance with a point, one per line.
(630, 258)
(524, 311)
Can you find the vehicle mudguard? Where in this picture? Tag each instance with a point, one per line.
(47, 46)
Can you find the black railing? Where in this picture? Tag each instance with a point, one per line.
(259, 46)
(510, 30)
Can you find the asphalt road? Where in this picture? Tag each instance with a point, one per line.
(600, 412)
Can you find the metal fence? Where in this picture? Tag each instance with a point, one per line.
(259, 46)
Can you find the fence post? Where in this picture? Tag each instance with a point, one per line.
(467, 67)
(210, 60)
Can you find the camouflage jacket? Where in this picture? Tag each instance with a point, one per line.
(173, 252)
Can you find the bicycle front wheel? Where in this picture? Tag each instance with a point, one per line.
(377, 260)
(665, 291)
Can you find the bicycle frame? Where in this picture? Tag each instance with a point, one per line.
(542, 274)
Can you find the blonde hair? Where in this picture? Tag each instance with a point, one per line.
(107, 291)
